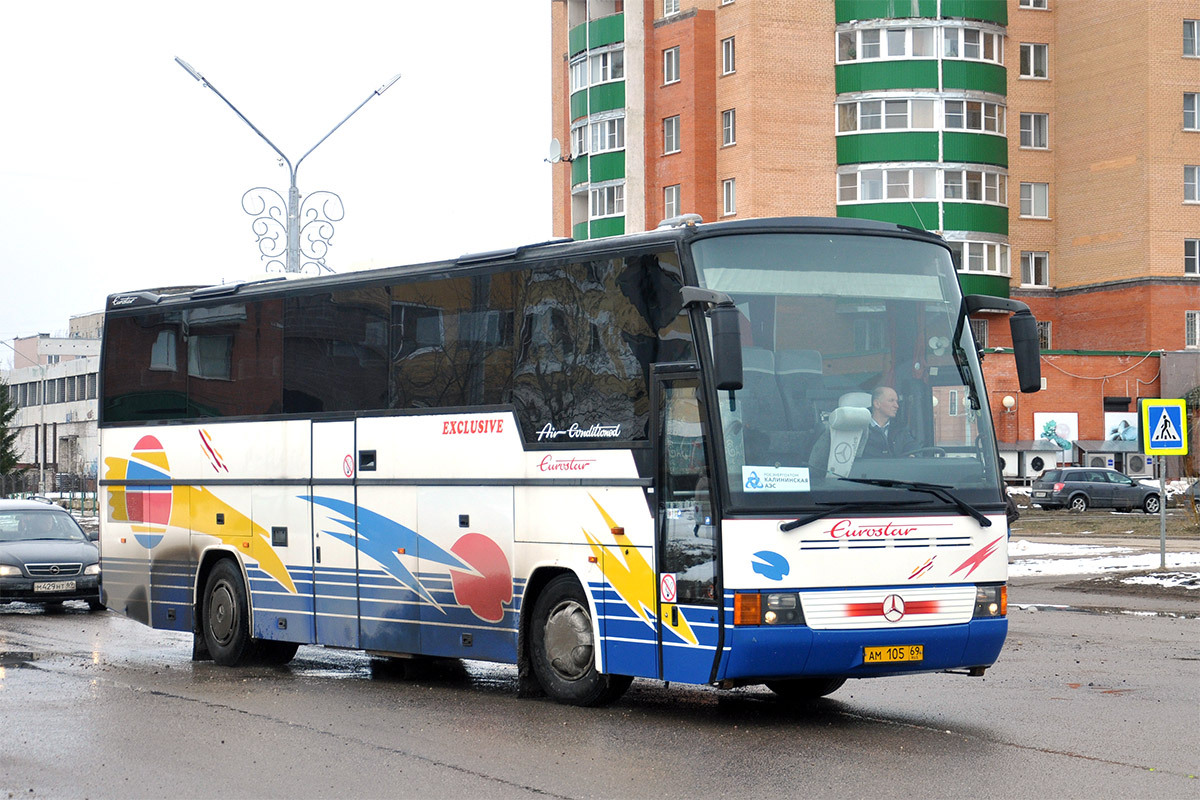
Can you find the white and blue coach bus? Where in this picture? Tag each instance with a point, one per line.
(644, 456)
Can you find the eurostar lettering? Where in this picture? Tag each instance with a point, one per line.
(845, 529)
(460, 426)
(552, 464)
(549, 433)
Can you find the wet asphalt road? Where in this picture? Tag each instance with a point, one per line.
(1081, 704)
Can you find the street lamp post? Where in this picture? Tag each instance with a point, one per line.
(41, 415)
(266, 222)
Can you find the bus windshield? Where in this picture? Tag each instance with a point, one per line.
(853, 382)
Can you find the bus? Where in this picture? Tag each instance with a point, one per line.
(635, 457)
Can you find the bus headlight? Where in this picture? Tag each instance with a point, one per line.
(767, 609)
(991, 601)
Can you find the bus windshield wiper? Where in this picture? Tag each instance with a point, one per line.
(836, 508)
(938, 490)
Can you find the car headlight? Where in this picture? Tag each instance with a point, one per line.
(991, 601)
(9, 571)
(92, 569)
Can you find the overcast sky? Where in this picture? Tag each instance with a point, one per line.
(119, 171)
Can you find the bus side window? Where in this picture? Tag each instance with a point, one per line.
(686, 512)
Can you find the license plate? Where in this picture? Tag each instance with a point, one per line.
(1040, 494)
(54, 586)
(900, 652)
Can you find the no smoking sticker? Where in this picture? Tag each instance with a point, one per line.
(666, 588)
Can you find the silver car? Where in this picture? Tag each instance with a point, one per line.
(45, 557)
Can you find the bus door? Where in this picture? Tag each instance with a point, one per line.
(335, 533)
(686, 532)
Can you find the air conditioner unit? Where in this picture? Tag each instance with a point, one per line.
(1035, 462)
(1138, 466)
(1010, 463)
(1098, 461)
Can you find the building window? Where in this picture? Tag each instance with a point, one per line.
(1035, 269)
(973, 44)
(728, 56)
(1191, 256)
(1189, 111)
(952, 404)
(979, 332)
(671, 201)
(1191, 184)
(1191, 29)
(1035, 131)
(608, 66)
(579, 75)
(1192, 337)
(1043, 329)
(729, 127)
(671, 65)
(1035, 200)
(608, 201)
(579, 141)
(985, 257)
(1033, 4)
(1034, 60)
(974, 116)
(670, 7)
(975, 185)
(671, 135)
(729, 196)
(872, 115)
(608, 134)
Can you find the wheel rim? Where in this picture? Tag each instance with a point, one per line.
(568, 641)
(222, 613)
(1079, 504)
(1152, 504)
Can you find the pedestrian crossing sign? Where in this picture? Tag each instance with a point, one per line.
(1163, 427)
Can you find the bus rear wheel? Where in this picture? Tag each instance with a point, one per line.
(801, 689)
(564, 649)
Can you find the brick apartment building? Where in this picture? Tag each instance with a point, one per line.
(1054, 143)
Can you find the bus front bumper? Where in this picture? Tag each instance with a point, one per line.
(768, 653)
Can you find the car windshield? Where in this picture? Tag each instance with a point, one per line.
(843, 335)
(35, 524)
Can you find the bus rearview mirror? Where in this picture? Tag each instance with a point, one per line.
(1026, 350)
(727, 346)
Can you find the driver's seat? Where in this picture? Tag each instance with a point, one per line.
(848, 432)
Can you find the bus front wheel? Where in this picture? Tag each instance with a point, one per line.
(564, 649)
(226, 620)
(801, 689)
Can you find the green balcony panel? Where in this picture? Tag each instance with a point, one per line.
(978, 283)
(975, 148)
(849, 10)
(915, 215)
(597, 33)
(986, 10)
(579, 107)
(886, 75)
(609, 226)
(576, 40)
(976, 75)
(608, 97)
(579, 231)
(608, 166)
(976, 217)
(606, 30)
(868, 147)
(579, 170)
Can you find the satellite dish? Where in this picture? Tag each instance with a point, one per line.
(555, 151)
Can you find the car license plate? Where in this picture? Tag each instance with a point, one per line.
(899, 652)
(1040, 494)
(54, 586)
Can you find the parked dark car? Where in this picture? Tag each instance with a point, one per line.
(45, 557)
(1079, 488)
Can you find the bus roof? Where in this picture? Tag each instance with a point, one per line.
(670, 232)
